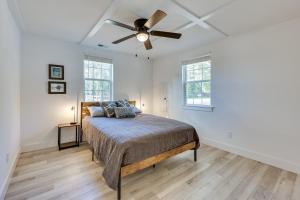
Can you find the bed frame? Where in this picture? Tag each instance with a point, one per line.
(151, 161)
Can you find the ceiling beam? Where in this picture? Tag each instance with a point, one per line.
(201, 21)
(106, 15)
(178, 8)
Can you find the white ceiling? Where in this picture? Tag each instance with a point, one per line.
(200, 21)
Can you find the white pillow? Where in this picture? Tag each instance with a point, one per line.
(96, 111)
(135, 109)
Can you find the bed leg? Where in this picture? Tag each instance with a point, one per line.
(119, 187)
(195, 155)
(93, 154)
(153, 166)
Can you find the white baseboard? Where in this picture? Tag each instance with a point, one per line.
(6, 182)
(271, 160)
(36, 146)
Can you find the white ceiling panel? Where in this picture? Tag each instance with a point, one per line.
(247, 15)
(191, 37)
(125, 16)
(142, 8)
(202, 7)
(109, 33)
(64, 19)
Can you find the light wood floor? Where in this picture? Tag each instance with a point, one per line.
(70, 174)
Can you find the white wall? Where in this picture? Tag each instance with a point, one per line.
(41, 112)
(10, 94)
(255, 91)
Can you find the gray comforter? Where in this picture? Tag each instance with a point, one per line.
(119, 142)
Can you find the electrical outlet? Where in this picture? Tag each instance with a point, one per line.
(7, 157)
(229, 135)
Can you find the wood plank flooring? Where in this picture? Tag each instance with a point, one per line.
(218, 175)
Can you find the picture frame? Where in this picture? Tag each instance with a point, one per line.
(56, 72)
(56, 87)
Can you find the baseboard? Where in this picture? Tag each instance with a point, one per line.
(36, 146)
(9, 175)
(271, 160)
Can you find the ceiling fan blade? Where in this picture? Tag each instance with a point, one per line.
(124, 38)
(120, 24)
(166, 34)
(155, 18)
(148, 44)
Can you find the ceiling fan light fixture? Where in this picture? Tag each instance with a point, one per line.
(141, 28)
(142, 36)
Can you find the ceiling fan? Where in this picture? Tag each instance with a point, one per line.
(142, 27)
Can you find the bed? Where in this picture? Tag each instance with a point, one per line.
(128, 145)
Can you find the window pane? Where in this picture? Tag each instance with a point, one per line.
(193, 90)
(198, 74)
(198, 101)
(206, 64)
(190, 75)
(206, 101)
(106, 95)
(189, 67)
(106, 74)
(91, 72)
(97, 95)
(96, 89)
(86, 70)
(88, 96)
(105, 85)
(206, 88)
(97, 65)
(197, 66)
(198, 83)
(106, 66)
(97, 73)
(206, 73)
(193, 73)
(97, 85)
(88, 85)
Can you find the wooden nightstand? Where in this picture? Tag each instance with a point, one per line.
(68, 144)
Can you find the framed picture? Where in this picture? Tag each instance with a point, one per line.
(57, 87)
(56, 72)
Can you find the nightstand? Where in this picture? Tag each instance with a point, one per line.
(68, 144)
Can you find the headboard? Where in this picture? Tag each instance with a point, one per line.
(85, 111)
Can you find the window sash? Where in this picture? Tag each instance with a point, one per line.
(186, 82)
(99, 93)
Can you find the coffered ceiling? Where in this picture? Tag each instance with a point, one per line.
(200, 21)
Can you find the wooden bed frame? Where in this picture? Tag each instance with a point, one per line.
(151, 161)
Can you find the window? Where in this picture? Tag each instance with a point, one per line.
(98, 79)
(197, 82)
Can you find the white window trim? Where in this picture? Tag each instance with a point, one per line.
(205, 108)
(103, 60)
(199, 108)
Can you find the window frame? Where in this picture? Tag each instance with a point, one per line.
(201, 107)
(111, 82)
